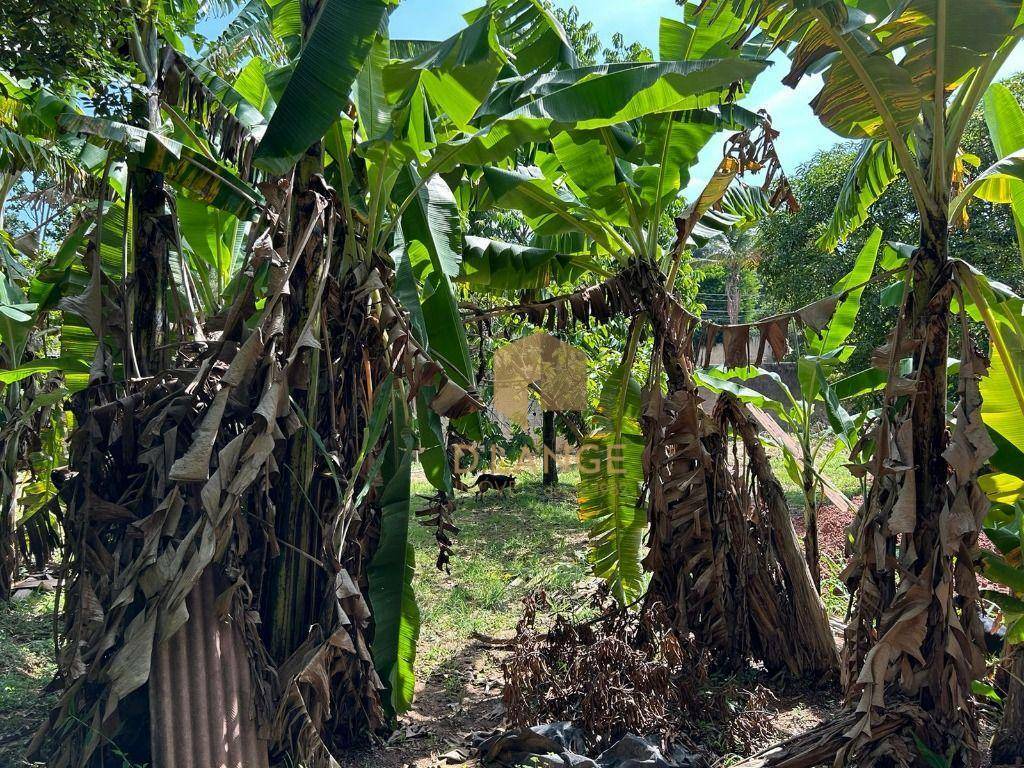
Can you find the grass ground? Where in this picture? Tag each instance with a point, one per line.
(26, 666)
(506, 549)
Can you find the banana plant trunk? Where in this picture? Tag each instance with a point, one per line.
(9, 500)
(151, 268)
(1008, 743)
(297, 586)
(932, 293)
(811, 550)
(550, 446)
(317, 575)
(722, 570)
(916, 640)
(814, 647)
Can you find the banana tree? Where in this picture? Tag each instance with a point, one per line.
(610, 181)
(18, 344)
(905, 80)
(124, 304)
(31, 143)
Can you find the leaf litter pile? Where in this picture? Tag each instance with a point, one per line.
(620, 672)
(620, 678)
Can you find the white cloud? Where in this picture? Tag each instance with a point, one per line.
(785, 97)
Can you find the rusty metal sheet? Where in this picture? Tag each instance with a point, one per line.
(200, 693)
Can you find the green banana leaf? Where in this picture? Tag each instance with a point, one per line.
(1002, 390)
(718, 379)
(212, 236)
(1002, 488)
(699, 36)
(457, 73)
(594, 169)
(868, 381)
(44, 365)
(256, 32)
(248, 113)
(286, 23)
(433, 222)
(20, 153)
(491, 265)
(529, 31)
(409, 259)
(432, 218)
(874, 170)
(251, 84)
(995, 184)
(547, 210)
(204, 179)
(609, 94)
(318, 90)
(1005, 120)
(535, 109)
(1005, 528)
(739, 209)
(66, 277)
(611, 473)
(396, 615)
(845, 315)
(370, 95)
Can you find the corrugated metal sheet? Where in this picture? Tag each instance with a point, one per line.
(200, 693)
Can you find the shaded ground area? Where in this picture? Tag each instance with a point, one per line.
(506, 549)
(26, 666)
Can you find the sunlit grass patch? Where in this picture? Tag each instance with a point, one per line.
(507, 548)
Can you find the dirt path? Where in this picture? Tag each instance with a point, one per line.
(506, 549)
(450, 705)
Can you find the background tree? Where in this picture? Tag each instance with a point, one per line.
(66, 45)
(588, 45)
(728, 280)
(792, 272)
